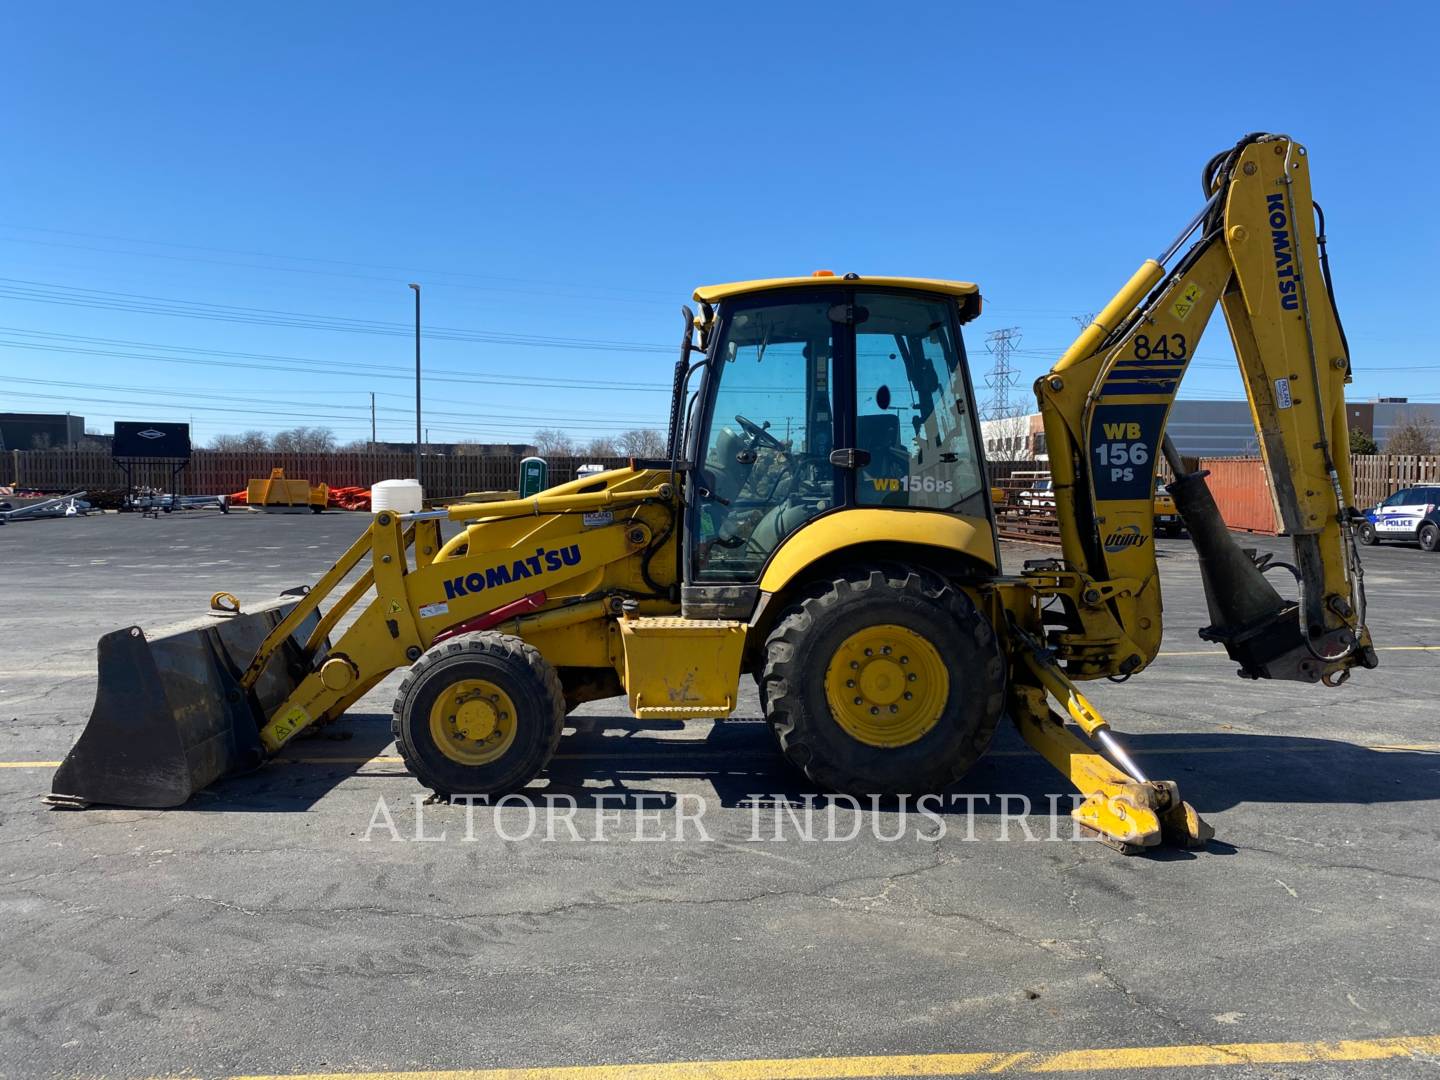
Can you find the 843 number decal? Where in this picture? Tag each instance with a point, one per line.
(1163, 346)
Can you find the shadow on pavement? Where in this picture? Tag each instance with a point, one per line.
(613, 756)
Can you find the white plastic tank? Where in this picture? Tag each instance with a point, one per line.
(399, 496)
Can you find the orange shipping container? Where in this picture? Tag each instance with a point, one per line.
(1242, 493)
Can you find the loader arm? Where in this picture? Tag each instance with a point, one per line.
(1105, 403)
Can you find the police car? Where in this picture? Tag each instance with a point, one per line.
(1412, 513)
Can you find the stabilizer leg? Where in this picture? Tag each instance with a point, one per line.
(1122, 807)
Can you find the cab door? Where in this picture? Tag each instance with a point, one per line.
(763, 467)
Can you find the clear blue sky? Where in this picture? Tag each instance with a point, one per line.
(572, 171)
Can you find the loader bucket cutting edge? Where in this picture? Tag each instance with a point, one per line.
(170, 715)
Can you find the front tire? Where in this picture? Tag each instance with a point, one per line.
(1365, 533)
(1429, 536)
(479, 714)
(884, 683)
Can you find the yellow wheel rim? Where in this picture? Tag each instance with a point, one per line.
(473, 722)
(886, 685)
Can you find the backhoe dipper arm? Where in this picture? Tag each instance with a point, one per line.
(1105, 405)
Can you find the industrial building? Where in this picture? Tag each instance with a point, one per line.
(1209, 428)
(40, 431)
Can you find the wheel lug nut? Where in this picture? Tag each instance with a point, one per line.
(894, 708)
(854, 665)
(886, 650)
(911, 677)
(904, 659)
(874, 710)
(869, 652)
(908, 695)
(858, 700)
(850, 683)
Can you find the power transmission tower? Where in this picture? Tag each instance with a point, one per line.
(1085, 320)
(1001, 345)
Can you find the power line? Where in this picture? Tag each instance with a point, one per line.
(153, 404)
(359, 408)
(410, 271)
(349, 369)
(140, 303)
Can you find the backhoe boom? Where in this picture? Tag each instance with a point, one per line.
(1105, 404)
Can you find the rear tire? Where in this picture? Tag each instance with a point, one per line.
(816, 644)
(1429, 536)
(510, 707)
(1365, 533)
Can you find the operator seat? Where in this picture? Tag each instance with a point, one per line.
(879, 434)
(726, 473)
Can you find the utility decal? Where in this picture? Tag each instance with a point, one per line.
(1124, 440)
(594, 519)
(544, 561)
(1285, 269)
(1127, 536)
(429, 611)
(1282, 393)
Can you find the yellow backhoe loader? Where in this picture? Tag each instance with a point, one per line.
(823, 523)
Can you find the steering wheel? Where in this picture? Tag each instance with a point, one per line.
(758, 433)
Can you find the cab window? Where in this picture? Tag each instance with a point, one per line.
(913, 414)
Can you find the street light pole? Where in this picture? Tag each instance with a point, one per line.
(416, 287)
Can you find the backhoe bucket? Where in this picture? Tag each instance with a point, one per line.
(170, 715)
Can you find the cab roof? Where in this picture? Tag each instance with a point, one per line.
(713, 294)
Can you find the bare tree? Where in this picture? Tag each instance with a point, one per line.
(356, 446)
(550, 442)
(603, 446)
(305, 440)
(246, 440)
(1414, 434)
(641, 443)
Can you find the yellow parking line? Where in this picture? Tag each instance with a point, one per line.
(920, 1065)
(29, 764)
(1378, 648)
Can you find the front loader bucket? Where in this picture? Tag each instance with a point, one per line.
(170, 716)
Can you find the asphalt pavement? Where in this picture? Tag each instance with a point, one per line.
(314, 917)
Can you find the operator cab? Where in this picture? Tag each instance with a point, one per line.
(820, 394)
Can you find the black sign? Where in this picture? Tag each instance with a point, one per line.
(1124, 440)
(132, 440)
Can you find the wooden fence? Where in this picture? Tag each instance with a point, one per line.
(213, 472)
(1380, 475)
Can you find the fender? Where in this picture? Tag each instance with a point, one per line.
(822, 536)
